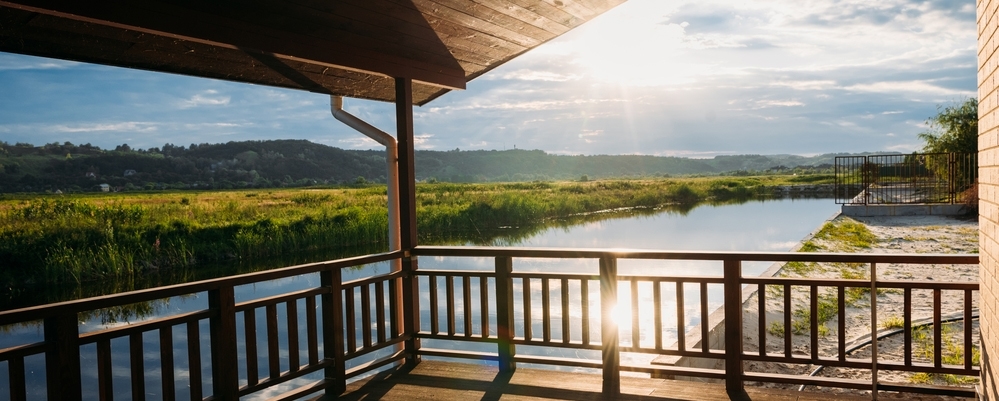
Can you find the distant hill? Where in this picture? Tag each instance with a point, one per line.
(69, 167)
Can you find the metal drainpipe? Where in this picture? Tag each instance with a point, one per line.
(392, 155)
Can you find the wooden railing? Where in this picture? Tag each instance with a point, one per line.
(318, 338)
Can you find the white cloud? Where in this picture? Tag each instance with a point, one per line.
(207, 98)
(534, 75)
(128, 126)
(11, 62)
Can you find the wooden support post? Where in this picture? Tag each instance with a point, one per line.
(225, 376)
(609, 329)
(62, 360)
(733, 329)
(333, 331)
(504, 314)
(407, 217)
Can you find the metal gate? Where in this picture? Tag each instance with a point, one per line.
(899, 179)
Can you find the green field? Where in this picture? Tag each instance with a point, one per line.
(79, 238)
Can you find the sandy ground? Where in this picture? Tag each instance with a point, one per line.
(903, 234)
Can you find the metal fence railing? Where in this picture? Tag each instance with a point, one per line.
(900, 179)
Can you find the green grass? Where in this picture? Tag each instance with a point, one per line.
(952, 353)
(848, 233)
(88, 237)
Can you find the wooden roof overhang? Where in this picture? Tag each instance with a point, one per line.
(353, 48)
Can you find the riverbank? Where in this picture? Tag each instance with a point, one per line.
(883, 234)
(50, 239)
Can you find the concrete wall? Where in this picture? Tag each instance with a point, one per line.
(988, 161)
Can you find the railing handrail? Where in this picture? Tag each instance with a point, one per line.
(62, 338)
(39, 312)
(622, 253)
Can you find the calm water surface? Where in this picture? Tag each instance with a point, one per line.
(775, 225)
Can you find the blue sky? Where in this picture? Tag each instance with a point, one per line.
(683, 78)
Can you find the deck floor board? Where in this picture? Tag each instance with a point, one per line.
(436, 380)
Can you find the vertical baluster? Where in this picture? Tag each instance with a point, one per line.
(788, 307)
(635, 330)
(333, 333)
(657, 313)
(466, 298)
(273, 357)
(366, 316)
(967, 330)
(15, 374)
(813, 324)
(528, 321)
(584, 291)
(225, 374)
(681, 321)
(394, 303)
(380, 310)
(841, 322)
(566, 337)
(434, 322)
(311, 328)
(907, 325)
(166, 363)
(194, 359)
(291, 308)
(250, 334)
(733, 328)
(410, 303)
(504, 314)
(546, 311)
(705, 329)
(138, 370)
(348, 305)
(937, 330)
(449, 298)
(105, 379)
(484, 305)
(761, 318)
(609, 331)
(62, 360)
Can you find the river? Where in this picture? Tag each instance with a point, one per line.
(772, 225)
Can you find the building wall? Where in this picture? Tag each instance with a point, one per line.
(988, 160)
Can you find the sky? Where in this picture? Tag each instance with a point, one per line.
(656, 77)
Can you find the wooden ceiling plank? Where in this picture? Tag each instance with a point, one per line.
(468, 49)
(550, 11)
(459, 34)
(426, 60)
(191, 25)
(573, 7)
(518, 12)
(186, 57)
(473, 23)
(486, 13)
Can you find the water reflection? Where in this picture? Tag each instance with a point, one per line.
(750, 226)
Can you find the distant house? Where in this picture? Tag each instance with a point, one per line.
(129, 172)
(91, 175)
(105, 188)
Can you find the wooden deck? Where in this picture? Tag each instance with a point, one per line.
(435, 380)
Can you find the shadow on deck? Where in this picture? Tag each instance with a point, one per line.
(435, 380)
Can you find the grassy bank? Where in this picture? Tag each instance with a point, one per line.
(51, 239)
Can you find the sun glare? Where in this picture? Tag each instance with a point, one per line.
(636, 45)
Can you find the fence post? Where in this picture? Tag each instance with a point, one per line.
(504, 314)
(62, 360)
(733, 328)
(225, 376)
(333, 331)
(609, 329)
(411, 309)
